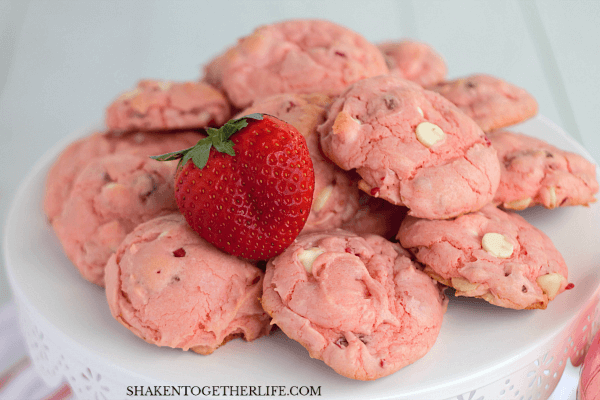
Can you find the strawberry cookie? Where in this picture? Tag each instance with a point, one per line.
(357, 303)
(165, 105)
(172, 288)
(335, 198)
(78, 154)
(415, 61)
(411, 147)
(296, 56)
(491, 254)
(109, 198)
(535, 172)
(491, 102)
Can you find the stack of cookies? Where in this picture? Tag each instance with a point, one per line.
(414, 179)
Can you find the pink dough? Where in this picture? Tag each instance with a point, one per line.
(415, 61)
(297, 56)
(364, 308)
(165, 105)
(172, 288)
(491, 102)
(110, 197)
(453, 254)
(78, 154)
(535, 172)
(335, 198)
(372, 127)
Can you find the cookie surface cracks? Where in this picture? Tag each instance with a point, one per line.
(296, 56)
(357, 303)
(373, 127)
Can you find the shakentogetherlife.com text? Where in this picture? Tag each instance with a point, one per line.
(223, 391)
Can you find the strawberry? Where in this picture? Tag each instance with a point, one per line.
(247, 188)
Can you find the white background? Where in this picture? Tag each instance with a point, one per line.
(62, 62)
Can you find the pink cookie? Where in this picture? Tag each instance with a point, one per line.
(78, 154)
(376, 216)
(411, 147)
(172, 288)
(165, 105)
(335, 198)
(357, 303)
(297, 56)
(415, 61)
(535, 172)
(491, 254)
(110, 197)
(491, 102)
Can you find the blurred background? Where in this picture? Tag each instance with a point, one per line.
(62, 62)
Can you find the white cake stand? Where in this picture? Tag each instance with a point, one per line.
(483, 351)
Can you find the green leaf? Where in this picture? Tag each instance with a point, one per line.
(200, 153)
(217, 138)
(185, 159)
(256, 116)
(203, 145)
(175, 155)
(225, 147)
(232, 127)
(212, 132)
(236, 125)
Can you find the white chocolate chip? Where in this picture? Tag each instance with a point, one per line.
(322, 198)
(552, 191)
(164, 85)
(463, 285)
(420, 111)
(518, 204)
(346, 127)
(140, 292)
(112, 186)
(488, 297)
(550, 284)
(429, 134)
(171, 164)
(307, 257)
(364, 186)
(130, 95)
(139, 138)
(204, 116)
(163, 234)
(497, 245)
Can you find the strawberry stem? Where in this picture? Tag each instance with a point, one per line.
(217, 138)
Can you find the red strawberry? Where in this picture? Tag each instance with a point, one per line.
(249, 195)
